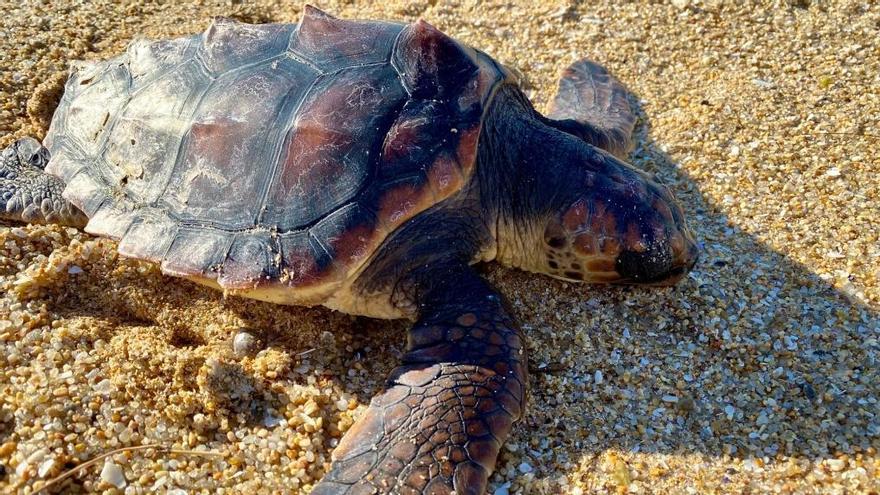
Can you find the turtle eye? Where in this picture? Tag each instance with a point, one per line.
(31, 152)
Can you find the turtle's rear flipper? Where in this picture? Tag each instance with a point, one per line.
(27, 194)
(438, 425)
(593, 105)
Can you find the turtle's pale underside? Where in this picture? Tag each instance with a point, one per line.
(364, 166)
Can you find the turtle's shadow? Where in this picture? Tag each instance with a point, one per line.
(773, 343)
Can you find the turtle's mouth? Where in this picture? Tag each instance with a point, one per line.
(655, 274)
(670, 278)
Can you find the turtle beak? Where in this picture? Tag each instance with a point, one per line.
(662, 266)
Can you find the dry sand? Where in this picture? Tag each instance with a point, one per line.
(759, 373)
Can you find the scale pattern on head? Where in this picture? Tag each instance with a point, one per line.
(619, 226)
(272, 159)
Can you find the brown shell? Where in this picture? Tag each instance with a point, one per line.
(271, 159)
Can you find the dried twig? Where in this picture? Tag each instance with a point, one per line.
(91, 462)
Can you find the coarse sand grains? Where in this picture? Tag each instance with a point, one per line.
(757, 374)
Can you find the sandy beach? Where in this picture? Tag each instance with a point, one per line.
(757, 374)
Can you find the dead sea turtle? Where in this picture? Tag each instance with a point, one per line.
(363, 166)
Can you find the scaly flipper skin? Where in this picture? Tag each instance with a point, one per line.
(439, 424)
(27, 194)
(592, 105)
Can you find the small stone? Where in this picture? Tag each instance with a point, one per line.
(808, 391)
(74, 270)
(597, 377)
(112, 474)
(46, 467)
(38, 456)
(328, 339)
(244, 344)
(7, 449)
(762, 419)
(836, 464)
(833, 172)
(104, 387)
(734, 151)
(670, 398)
(525, 467)
(729, 411)
(504, 489)
(270, 420)
(22, 468)
(687, 405)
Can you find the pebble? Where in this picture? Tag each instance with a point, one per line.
(104, 387)
(836, 464)
(271, 421)
(762, 419)
(22, 468)
(112, 474)
(503, 489)
(729, 411)
(46, 467)
(244, 344)
(7, 448)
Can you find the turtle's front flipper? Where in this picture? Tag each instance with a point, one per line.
(27, 194)
(592, 105)
(438, 425)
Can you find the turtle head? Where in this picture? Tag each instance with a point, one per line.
(572, 211)
(616, 224)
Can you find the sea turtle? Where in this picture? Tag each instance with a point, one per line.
(364, 166)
